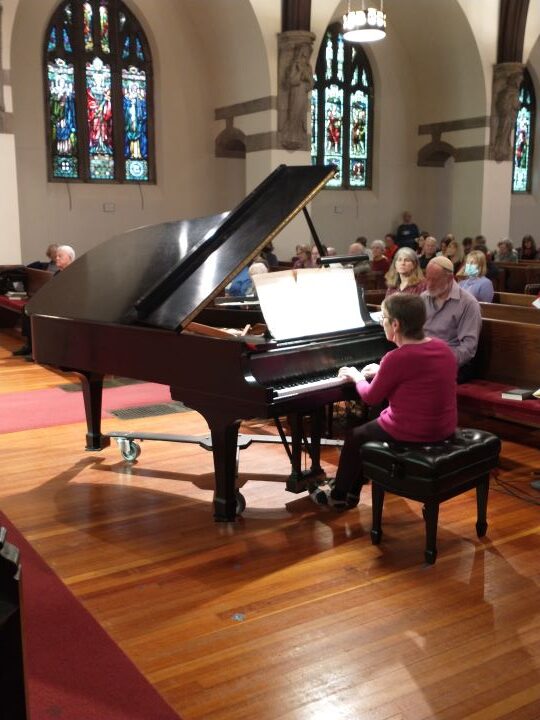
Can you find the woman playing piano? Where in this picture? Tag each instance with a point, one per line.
(418, 381)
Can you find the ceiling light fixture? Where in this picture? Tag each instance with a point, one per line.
(365, 25)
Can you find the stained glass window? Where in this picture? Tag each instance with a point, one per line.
(98, 86)
(524, 137)
(342, 111)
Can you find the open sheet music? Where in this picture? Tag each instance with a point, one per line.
(303, 302)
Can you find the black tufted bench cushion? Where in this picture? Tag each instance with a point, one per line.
(431, 474)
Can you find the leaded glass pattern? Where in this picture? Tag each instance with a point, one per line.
(98, 73)
(104, 27)
(100, 120)
(135, 123)
(342, 111)
(523, 138)
(63, 123)
(87, 19)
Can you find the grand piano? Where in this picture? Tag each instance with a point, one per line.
(132, 306)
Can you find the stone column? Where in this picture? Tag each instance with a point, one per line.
(507, 79)
(295, 80)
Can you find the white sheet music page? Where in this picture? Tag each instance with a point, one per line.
(309, 301)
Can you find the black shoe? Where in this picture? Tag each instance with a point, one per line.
(324, 496)
(22, 351)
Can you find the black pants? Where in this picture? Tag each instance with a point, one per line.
(466, 372)
(349, 476)
(26, 329)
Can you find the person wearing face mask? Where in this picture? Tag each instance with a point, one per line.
(422, 406)
(473, 277)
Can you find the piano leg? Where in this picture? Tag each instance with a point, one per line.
(299, 480)
(224, 446)
(92, 389)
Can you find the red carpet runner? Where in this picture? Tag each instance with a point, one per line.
(74, 670)
(53, 406)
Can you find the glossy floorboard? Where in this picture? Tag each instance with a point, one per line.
(290, 612)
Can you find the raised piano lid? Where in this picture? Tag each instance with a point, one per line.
(163, 275)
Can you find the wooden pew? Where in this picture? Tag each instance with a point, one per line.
(374, 297)
(508, 356)
(519, 274)
(507, 298)
(512, 313)
(10, 308)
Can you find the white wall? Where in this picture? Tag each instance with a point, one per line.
(9, 204)
(190, 181)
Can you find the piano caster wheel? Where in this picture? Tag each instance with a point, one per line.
(240, 503)
(129, 449)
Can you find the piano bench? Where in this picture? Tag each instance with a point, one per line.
(431, 474)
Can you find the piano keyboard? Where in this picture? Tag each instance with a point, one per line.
(298, 388)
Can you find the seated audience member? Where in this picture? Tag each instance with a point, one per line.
(315, 255)
(241, 285)
(528, 249)
(269, 257)
(505, 251)
(331, 251)
(303, 257)
(50, 265)
(407, 232)
(417, 379)
(363, 241)
(421, 241)
(379, 261)
(358, 248)
(452, 314)
(443, 245)
(257, 267)
(454, 251)
(65, 255)
(467, 244)
(480, 243)
(429, 251)
(473, 277)
(492, 271)
(390, 246)
(405, 275)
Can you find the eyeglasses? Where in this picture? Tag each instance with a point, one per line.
(383, 318)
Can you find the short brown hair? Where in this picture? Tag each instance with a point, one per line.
(410, 311)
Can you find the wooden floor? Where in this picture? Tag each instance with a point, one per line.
(290, 612)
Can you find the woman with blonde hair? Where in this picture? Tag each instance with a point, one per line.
(405, 275)
(303, 257)
(454, 252)
(472, 277)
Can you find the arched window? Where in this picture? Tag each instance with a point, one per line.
(98, 90)
(342, 111)
(524, 137)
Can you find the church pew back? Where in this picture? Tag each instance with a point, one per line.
(509, 352)
(511, 313)
(507, 298)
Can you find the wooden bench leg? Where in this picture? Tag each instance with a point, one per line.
(482, 491)
(430, 512)
(377, 502)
